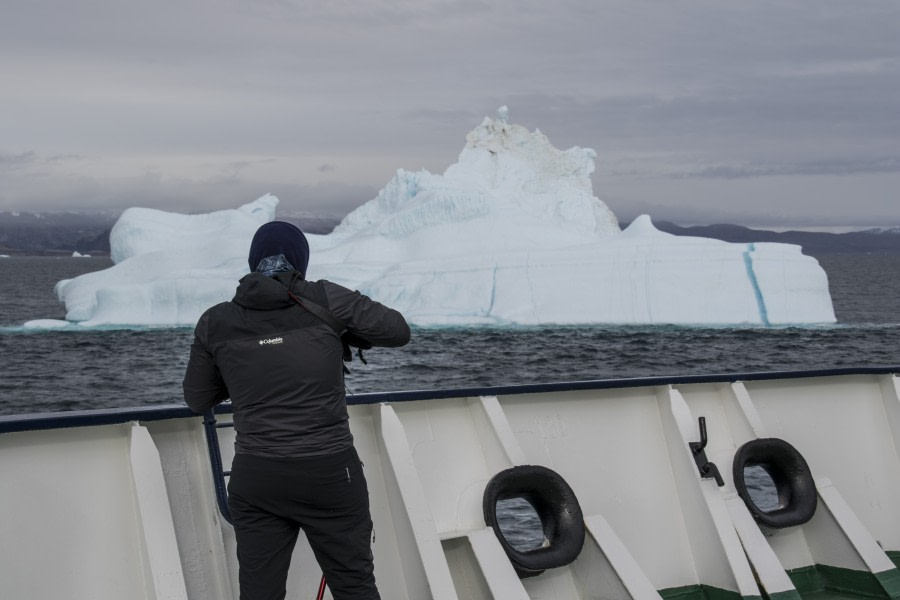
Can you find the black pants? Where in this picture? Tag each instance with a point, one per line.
(271, 499)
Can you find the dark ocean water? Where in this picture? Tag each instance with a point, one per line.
(59, 370)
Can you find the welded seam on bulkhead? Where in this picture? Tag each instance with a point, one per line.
(760, 301)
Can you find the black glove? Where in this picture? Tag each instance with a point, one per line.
(351, 340)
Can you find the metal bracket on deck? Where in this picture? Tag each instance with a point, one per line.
(706, 468)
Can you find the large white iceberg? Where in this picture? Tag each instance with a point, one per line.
(510, 234)
(168, 268)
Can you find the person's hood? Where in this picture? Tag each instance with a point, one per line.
(260, 292)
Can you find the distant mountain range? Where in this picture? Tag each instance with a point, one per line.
(886, 240)
(54, 233)
(64, 233)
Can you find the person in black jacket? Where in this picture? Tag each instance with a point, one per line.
(295, 466)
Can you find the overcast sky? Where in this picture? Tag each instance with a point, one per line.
(754, 112)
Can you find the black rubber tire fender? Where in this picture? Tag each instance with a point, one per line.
(794, 484)
(557, 507)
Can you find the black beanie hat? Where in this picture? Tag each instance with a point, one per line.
(279, 237)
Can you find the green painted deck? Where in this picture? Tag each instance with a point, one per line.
(823, 582)
(819, 582)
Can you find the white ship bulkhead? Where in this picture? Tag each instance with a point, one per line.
(122, 503)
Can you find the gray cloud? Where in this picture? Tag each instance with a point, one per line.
(15, 161)
(174, 194)
(825, 167)
(190, 105)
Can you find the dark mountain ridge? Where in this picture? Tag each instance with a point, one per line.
(88, 233)
(55, 233)
(813, 242)
(65, 233)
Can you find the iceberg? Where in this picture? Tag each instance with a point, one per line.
(511, 234)
(168, 268)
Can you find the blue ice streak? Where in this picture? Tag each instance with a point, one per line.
(760, 301)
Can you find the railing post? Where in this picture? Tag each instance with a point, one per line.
(215, 460)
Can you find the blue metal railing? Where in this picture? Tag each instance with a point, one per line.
(210, 426)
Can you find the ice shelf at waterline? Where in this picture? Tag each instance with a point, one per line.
(510, 234)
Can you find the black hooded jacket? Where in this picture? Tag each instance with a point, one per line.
(282, 366)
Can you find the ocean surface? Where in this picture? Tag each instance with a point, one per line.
(44, 371)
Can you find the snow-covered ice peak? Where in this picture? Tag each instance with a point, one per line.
(643, 226)
(501, 154)
(504, 171)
